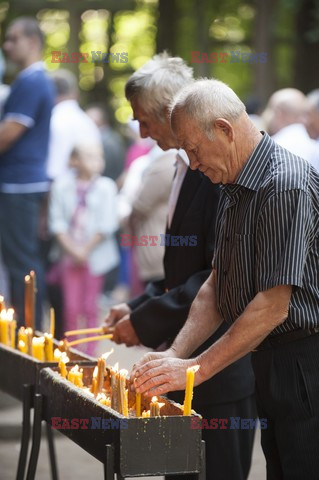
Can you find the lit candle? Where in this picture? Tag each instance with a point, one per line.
(100, 374)
(52, 322)
(155, 407)
(4, 331)
(48, 347)
(29, 333)
(138, 404)
(102, 398)
(146, 414)
(62, 364)
(190, 376)
(57, 354)
(114, 386)
(94, 382)
(123, 395)
(38, 348)
(22, 337)
(13, 326)
(76, 376)
(29, 299)
(22, 346)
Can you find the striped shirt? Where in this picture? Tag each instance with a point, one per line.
(267, 233)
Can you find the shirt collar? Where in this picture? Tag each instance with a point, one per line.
(32, 68)
(252, 174)
(181, 154)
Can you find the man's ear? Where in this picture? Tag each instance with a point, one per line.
(225, 127)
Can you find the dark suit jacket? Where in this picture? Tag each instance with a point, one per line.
(159, 314)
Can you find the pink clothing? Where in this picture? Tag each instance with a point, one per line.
(81, 291)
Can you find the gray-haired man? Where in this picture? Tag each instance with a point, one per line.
(265, 278)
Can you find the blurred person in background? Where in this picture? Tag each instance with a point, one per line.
(284, 119)
(113, 143)
(69, 124)
(24, 138)
(83, 218)
(148, 215)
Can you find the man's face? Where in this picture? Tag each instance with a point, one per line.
(17, 45)
(211, 157)
(151, 126)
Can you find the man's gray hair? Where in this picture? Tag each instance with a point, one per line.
(158, 81)
(65, 82)
(206, 100)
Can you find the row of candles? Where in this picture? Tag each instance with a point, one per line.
(117, 397)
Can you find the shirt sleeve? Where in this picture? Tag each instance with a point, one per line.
(284, 237)
(25, 102)
(57, 218)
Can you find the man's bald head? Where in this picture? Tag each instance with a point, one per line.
(285, 107)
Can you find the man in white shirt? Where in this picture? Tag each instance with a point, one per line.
(69, 124)
(284, 118)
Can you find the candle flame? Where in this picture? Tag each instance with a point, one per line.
(154, 399)
(161, 404)
(106, 355)
(21, 344)
(75, 369)
(95, 371)
(57, 354)
(116, 367)
(64, 358)
(123, 372)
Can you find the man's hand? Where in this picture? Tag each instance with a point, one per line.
(116, 313)
(124, 332)
(162, 375)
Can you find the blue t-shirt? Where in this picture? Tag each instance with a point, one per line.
(30, 103)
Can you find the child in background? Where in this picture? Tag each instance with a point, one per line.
(83, 218)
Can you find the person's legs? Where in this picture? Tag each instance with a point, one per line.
(289, 392)
(73, 280)
(19, 215)
(93, 285)
(228, 450)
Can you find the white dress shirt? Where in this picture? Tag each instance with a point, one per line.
(70, 125)
(296, 139)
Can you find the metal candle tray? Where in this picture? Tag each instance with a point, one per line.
(148, 446)
(18, 369)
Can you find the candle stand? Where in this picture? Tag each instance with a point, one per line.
(127, 446)
(19, 377)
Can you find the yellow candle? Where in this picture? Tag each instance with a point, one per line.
(122, 387)
(52, 322)
(79, 378)
(100, 374)
(125, 404)
(48, 347)
(38, 348)
(22, 337)
(57, 354)
(146, 414)
(62, 364)
(138, 404)
(190, 376)
(13, 326)
(29, 299)
(4, 331)
(22, 346)
(94, 382)
(114, 387)
(155, 407)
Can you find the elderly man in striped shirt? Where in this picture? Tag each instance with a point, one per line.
(264, 281)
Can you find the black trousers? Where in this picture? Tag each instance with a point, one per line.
(287, 394)
(228, 451)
